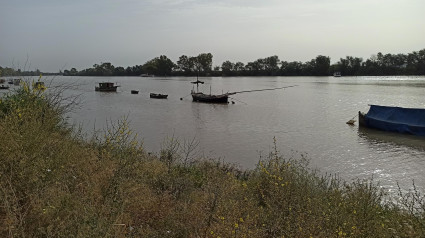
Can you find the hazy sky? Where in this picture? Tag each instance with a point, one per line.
(61, 34)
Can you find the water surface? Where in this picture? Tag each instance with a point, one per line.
(310, 119)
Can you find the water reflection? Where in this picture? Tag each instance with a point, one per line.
(377, 138)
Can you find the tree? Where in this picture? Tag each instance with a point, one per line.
(271, 64)
(227, 68)
(204, 62)
(321, 65)
(185, 64)
(164, 65)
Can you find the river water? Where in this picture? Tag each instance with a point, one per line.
(308, 119)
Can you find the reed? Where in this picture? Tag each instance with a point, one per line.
(55, 183)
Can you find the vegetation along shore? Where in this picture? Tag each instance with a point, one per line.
(56, 183)
(377, 65)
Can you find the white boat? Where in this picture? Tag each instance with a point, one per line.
(337, 74)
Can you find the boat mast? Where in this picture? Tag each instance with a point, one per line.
(197, 82)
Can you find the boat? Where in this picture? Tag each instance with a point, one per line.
(134, 91)
(208, 98)
(147, 75)
(394, 119)
(16, 81)
(106, 87)
(4, 87)
(337, 74)
(158, 95)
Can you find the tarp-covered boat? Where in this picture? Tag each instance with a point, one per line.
(395, 119)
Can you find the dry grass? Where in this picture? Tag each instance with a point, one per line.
(55, 184)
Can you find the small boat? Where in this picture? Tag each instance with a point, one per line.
(106, 87)
(158, 95)
(134, 91)
(337, 74)
(4, 87)
(147, 75)
(394, 119)
(16, 81)
(208, 98)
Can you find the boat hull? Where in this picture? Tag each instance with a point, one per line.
(200, 97)
(158, 96)
(394, 119)
(110, 89)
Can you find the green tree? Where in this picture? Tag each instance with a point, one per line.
(321, 65)
(185, 65)
(164, 65)
(227, 68)
(204, 62)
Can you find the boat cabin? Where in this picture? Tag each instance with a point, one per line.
(106, 87)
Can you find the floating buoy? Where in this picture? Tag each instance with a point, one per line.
(233, 102)
(181, 98)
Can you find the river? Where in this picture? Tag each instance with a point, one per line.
(308, 119)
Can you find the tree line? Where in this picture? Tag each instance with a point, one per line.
(377, 65)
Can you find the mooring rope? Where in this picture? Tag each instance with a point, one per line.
(258, 90)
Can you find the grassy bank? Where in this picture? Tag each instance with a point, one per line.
(53, 183)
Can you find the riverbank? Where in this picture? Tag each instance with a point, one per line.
(55, 183)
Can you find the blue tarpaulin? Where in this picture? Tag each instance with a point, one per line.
(397, 119)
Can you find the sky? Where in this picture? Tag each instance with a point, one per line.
(53, 35)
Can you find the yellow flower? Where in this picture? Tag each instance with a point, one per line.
(241, 219)
(236, 225)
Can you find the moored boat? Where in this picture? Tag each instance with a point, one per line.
(4, 87)
(208, 98)
(134, 91)
(158, 95)
(394, 119)
(16, 81)
(337, 74)
(106, 87)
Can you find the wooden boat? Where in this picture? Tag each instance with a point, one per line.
(134, 91)
(4, 87)
(106, 87)
(16, 81)
(208, 98)
(394, 119)
(158, 95)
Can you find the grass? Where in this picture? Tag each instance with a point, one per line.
(55, 183)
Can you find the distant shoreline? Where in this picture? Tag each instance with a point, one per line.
(411, 64)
